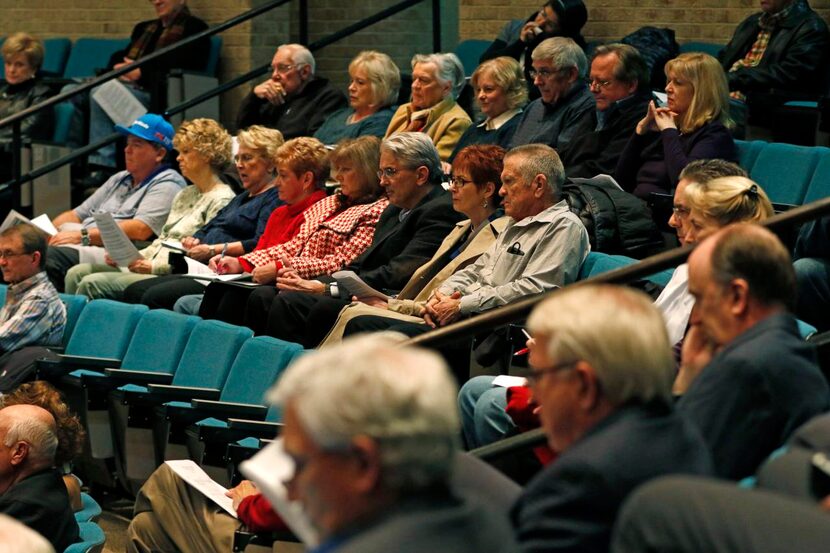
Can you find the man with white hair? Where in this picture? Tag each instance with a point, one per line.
(31, 490)
(602, 371)
(294, 100)
(18, 538)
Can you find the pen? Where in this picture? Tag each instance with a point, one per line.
(523, 350)
(219, 268)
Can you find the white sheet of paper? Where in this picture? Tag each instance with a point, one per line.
(193, 474)
(508, 381)
(174, 245)
(118, 246)
(355, 285)
(118, 102)
(41, 221)
(598, 179)
(199, 269)
(269, 469)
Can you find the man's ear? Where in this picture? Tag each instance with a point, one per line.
(589, 391)
(366, 475)
(19, 452)
(305, 72)
(738, 296)
(422, 173)
(540, 181)
(161, 153)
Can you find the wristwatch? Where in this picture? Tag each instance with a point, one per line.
(84, 237)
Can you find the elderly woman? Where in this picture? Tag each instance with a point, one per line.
(235, 229)
(22, 57)
(373, 89)
(500, 94)
(694, 125)
(204, 148)
(437, 80)
(336, 229)
(476, 179)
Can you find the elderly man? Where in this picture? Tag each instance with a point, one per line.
(437, 80)
(601, 373)
(783, 48)
(619, 81)
(31, 490)
(294, 100)
(139, 199)
(753, 379)
(33, 312)
(559, 67)
(383, 476)
(410, 230)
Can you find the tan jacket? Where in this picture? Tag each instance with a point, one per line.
(445, 124)
(406, 307)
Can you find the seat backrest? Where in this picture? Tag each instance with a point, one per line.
(63, 122)
(819, 186)
(710, 48)
(104, 329)
(158, 341)
(56, 52)
(257, 366)
(74, 306)
(209, 354)
(92, 539)
(90, 54)
(784, 171)
(3, 288)
(469, 52)
(90, 510)
(748, 151)
(212, 64)
(597, 263)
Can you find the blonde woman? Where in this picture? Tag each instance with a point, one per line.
(204, 148)
(22, 57)
(694, 124)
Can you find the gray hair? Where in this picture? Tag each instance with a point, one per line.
(449, 69)
(402, 397)
(563, 53)
(16, 537)
(540, 159)
(630, 64)
(41, 437)
(616, 330)
(300, 55)
(414, 149)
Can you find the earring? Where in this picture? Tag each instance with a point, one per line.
(484, 205)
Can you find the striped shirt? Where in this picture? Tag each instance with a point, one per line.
(33, 314)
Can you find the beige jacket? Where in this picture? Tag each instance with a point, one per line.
(445, 124)
(407, 306)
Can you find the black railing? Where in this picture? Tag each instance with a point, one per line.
(14, 120)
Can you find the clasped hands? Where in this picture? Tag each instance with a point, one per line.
(442, 309)
(656, 119)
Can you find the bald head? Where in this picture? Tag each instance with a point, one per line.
(31, 429)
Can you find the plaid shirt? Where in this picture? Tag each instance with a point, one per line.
(33, 314)
(330, 238)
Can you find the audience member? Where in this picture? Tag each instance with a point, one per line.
(18, 538)
(619, 81)
(384, 474)
(138, 198)
(374, 84)
(31, 490)
(752, 379)
(22, 57)
(32, 313)
(479, 166)
(294, 100)
(204, 148)
(336, 230)
(559, 70)
(812, 272)
(694, 125)
(174, 23)
(409, 232)
(519, 37)
(782, 49)
(437, 80)
(500, 94)
(602, 372)
(235, 229)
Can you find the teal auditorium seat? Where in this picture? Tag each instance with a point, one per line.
(3, 288)
(74, 306)
(55, 55)
(92, 539)
(748, 152)
(469, 52)
(819, 186)
(784, 171)
(597, 263)
(91, 54)
(63, 121)
(212, 64)
(90, 510)
(710, 48)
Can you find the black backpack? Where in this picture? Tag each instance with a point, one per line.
(617, 222)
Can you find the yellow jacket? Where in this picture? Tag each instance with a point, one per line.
(445, 124)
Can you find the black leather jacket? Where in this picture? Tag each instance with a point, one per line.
(795, 59)
(16, 98)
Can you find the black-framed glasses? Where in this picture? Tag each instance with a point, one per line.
(534, 376)
(459, 182)
(598, 84)
(8, 254)
(388, 172)
(543, 73)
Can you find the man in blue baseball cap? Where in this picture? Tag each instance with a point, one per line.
(139, 199)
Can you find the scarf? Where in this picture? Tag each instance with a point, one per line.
(169, 35)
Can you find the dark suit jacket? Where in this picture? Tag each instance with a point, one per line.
(592, 152)
(572, 504)
(754, 393)
(399, 248)
(41, 503)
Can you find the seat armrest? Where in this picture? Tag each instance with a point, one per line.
(225, 408)
(139, 377)
(65, 364)
(170, 392)
(257, 428)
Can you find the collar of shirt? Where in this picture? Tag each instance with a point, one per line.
(768, 21)
(577, 87)
(545, 216)
(20, 288)
(495, 123)
(128, 178)
(604, 116)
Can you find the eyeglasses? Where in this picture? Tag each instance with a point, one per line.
(543, 73)
(458, 182)
(244, 159)
(7, 254)
(680, 211)
(598, 84)
(534, 376)
(283, 68)
(389, 172)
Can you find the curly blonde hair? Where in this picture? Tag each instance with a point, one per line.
(305, 154)
(26, 44)
(263, 141)
(207, 138)
(507, 74)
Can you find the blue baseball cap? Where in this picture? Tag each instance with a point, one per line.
(152, 128)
